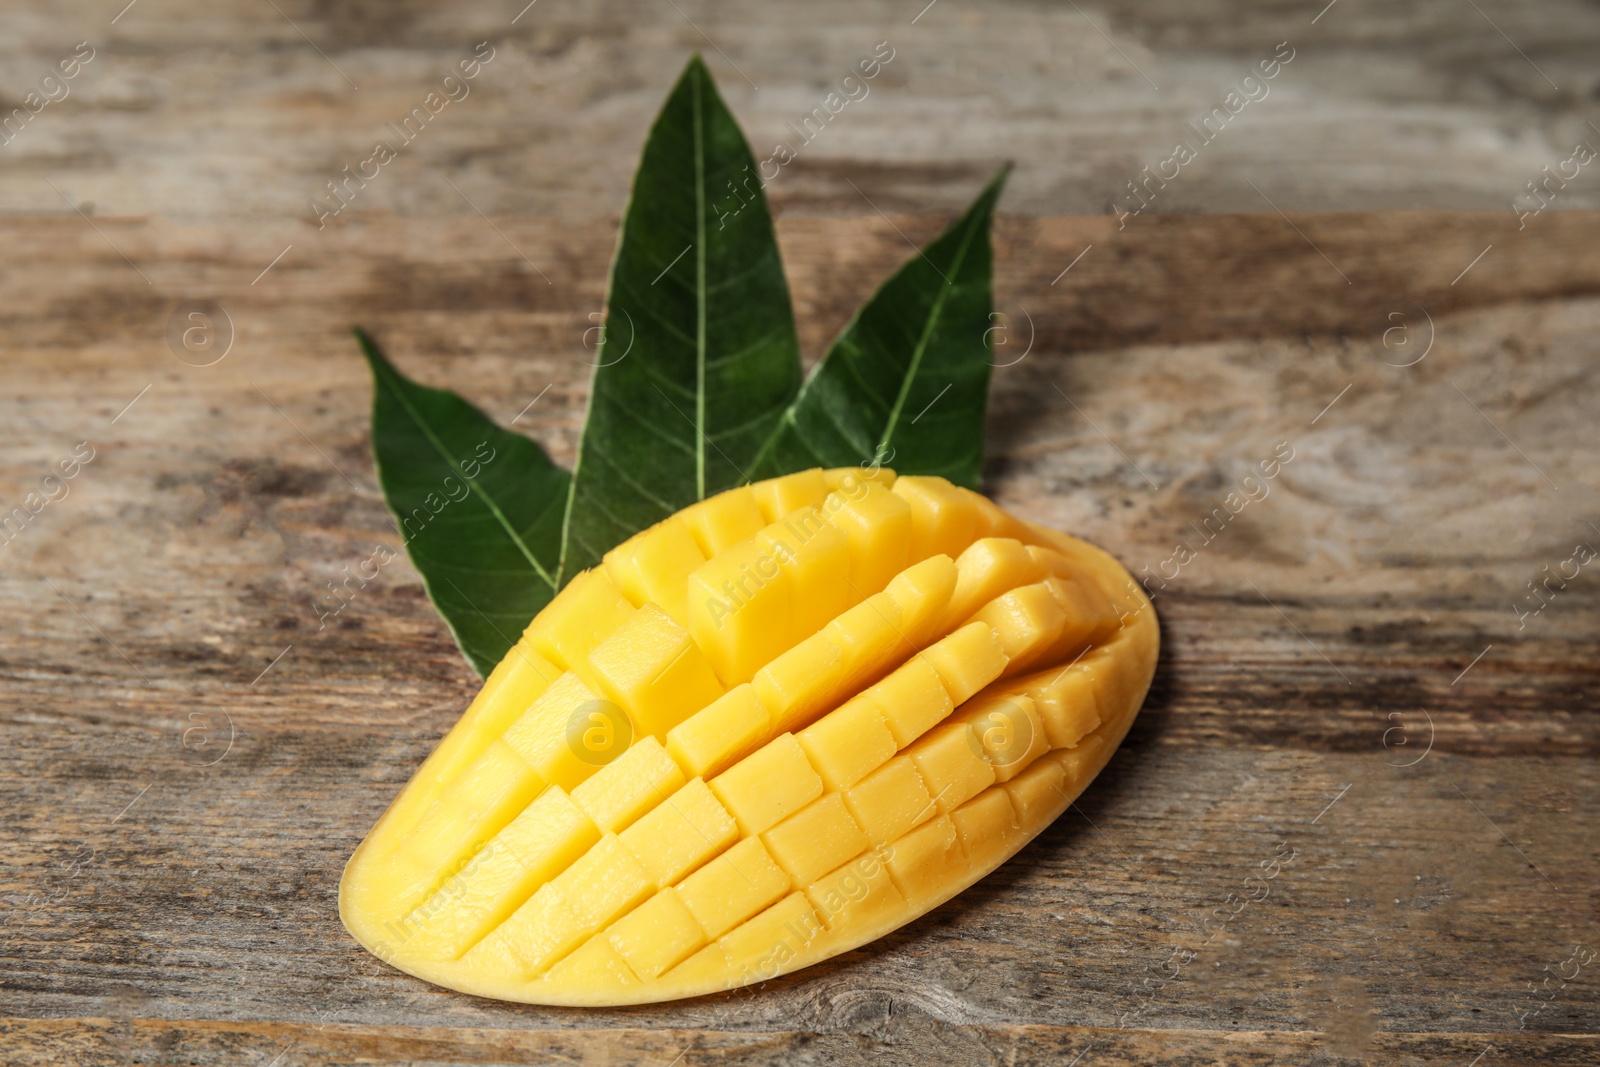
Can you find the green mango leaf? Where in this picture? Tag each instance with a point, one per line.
(478, 507)
(907, 380)
(699, 357)
(696, 389)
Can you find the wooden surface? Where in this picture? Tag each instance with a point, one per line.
(190, 759)
(1345, 673)
(201, 111)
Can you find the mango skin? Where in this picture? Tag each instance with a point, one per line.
(657, 946)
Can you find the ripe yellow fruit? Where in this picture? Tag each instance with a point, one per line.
(763, 732)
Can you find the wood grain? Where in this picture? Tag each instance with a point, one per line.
(165, 902)
(202, 112)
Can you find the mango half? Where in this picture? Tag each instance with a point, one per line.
(771, 728)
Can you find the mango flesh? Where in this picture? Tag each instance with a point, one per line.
(766, 731)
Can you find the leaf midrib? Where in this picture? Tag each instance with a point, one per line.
(922, 341)
(787, 418)
(488, 501)
(700, 297)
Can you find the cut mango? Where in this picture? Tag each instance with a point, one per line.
(943, 517)
(652, 568)
(651, 668)
(878, 526)
(763, 732)
(579, 618)
(719, 522)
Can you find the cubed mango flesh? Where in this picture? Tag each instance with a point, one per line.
(765, 731)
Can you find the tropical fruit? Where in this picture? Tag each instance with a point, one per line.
(767, 730)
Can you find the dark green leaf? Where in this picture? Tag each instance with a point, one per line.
(479, 508)
(908, 379)
(699, 356)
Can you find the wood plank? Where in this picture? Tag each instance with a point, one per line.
(203, 113)
(93, 1042)
(181, 898)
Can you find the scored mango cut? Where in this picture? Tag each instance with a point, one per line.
(765, 731)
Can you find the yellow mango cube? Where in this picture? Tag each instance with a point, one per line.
(759, 949)
(733, 887)
(1039, 793)
(783, 496)
(681, 833)
(1066, 703)
(541, 842)
(968, 659)
(519, 680)
(802, 682)
(764, 788)
(987, 568)
(943, 520)
(816, 839)
(474, 807)
(657, 935)
(555, 736)
(814, 556)
(887, 627)
(846, 479)
(921, 593)
(1079, 764)
(627, 787)
(718, 736)
(877, 525)
(579, 618)
(1009, 732)
(920, 862)
(722, 521)
(740, 611)
(652, 668)
(868, 636)
(848, 744)
(911, 700)
(605, 882)
(856, 894)
(1114, 684)
(890, 801)
(993, 520)
(594, 963)
(953, 765)
(988, 825)
(653, 567)
(1089, 618)
(1028, 620)
(1079, 572)
(539, 933)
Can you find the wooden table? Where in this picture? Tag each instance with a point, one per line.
(198, 111)
(1344, 679)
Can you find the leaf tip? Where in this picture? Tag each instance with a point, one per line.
(696, 66)
(991, 192)
(369, 347)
